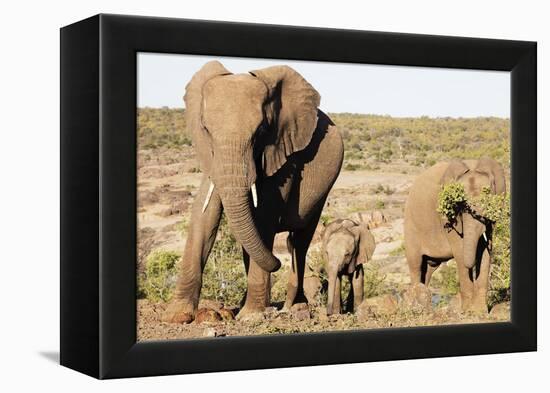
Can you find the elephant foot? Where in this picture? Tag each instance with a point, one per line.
(250, 314)
(179, 312)
(290, 302)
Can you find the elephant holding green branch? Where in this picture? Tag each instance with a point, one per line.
(269, 158)
(430, 238)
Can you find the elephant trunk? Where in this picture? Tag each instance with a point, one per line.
(332, 307)
(472, 231)
(235, 191)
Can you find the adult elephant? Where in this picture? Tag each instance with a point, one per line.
(430, 239)
(269, 158)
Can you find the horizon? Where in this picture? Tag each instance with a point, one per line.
(366, 114)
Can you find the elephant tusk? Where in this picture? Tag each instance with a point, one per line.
(208, 196)
(485, 237)
(254, 195)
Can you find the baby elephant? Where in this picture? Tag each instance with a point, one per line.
(347, 246)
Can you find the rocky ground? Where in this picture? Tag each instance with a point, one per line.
(386, 311)
(168, 180)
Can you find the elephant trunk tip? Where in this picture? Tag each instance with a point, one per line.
(272, 266)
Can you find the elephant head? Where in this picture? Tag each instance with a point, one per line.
(485, 173)
(244, 127)
(346, 245)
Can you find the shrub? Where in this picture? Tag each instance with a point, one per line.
(224, 276)
(352, 167)
(379, 204)
(451, 201)
(497, 209)
(374, 280)
(159, 278)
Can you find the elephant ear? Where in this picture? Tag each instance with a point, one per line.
(193, 103)
(456, 169)
(365, 246)
(495, 172)
(295, 114)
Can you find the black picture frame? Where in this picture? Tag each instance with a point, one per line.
(98, 195)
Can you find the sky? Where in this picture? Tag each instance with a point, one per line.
(399, 91)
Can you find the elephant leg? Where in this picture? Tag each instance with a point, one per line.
(258, 290)
(200, 239)
(298, 242)
(481, 283)
(336, 306)
(357, 285)
(292, 286)
(348, 304)
(415, 261)
(430, 269)
(465, 280)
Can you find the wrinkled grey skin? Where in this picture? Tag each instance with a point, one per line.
(261, 130)
(429, 240)
(347, 246)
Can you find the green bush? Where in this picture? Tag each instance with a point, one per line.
(159, 278)
(374, 280)
(224, 276)
(497, 209)
(451, 201)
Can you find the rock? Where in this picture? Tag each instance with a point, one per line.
(501, 311)
(165, 212)
(179, 207)
(212, 304)
(417, 298)
(207, 315)
(209, 332)
(365, 312)
(312, 289)
(382, 305)
(227, 315)
(300, 311)
(147, 197)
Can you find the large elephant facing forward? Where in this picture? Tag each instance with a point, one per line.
(269, 158)
(431, 240)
